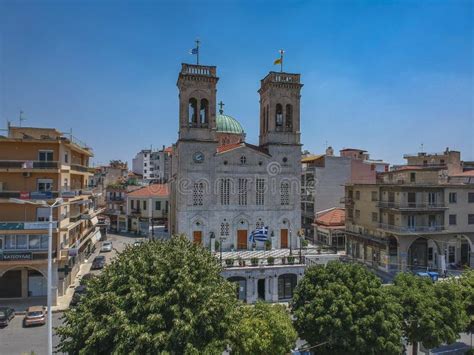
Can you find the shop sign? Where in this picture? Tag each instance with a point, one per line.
(24, 195)
(15, 256)
(41, 195)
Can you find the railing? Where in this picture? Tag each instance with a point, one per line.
(75, 218)
(28, 164)
(410, 205)
(33, 195)
(81, 168)
(346, 200)
(259, 261)
(408, 229)
(115, 199)
(198, 69)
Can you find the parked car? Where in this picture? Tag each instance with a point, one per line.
(98, 262)
(79, 291)
(6, 315)
(106, 247)
(35, 315)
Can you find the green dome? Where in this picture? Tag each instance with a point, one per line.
(227, 124)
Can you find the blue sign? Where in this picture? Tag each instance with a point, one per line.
(41, 195)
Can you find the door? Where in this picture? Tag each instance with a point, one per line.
(261, 289)
(241, 239)
(197, 237)
(37, 285)
(284, 238)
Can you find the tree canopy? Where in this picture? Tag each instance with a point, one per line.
(342, 308)
(467, 291)
(433, 313)
(160, 297)
(263, 329)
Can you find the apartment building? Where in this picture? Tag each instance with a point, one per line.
(116, 201)
(153, 165)
(147, 207)
(42, 164)
(417, 216)
(324, 176)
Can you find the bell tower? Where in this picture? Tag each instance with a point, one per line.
(197, 102)
(280, 109)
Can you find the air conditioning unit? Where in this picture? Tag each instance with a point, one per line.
(1, 186)
(26, 175)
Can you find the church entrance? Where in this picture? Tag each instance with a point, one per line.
(261, 289)
(197, 237)
(283, 238)
(242, 239)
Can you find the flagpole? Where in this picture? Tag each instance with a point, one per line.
(197, 56)
(281, 60)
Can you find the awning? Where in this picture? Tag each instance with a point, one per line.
(94, 221)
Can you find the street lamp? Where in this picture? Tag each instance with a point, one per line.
(55, 204)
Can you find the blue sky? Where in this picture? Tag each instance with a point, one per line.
(385, 76)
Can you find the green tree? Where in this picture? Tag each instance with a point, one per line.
(160, 297)
(343, 309)
(467, 290)
(263, 329)
(433, 314)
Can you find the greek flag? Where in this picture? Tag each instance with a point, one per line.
(259, 235)
(194, 51)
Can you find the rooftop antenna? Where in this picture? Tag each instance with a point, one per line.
(21, 118)
(422, 148)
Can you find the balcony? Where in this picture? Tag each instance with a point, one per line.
(75, 217)
(347, 200)
(79, 168)
(411, 206)
(33, 195)
(28, 164)
(413, 229)
(25, 225)
(16, 255)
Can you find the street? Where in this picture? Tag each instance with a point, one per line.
(16, 340)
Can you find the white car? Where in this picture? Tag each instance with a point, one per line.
(106, 247)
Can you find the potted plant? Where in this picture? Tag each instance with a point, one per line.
(241, 262)
(283, 260)
(268, 245)
(304, 243)
(232, 247)
(229, 262)
(254, 246)
(319, 250)
(270, 260)
(291, 259)
(254, 261)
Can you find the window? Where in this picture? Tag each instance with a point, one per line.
(157, 205)
(243, 160)
(432, 198)
(470, 197)
(411, 221)
(357, 195)
(225, 229)
(279, 116)
(144, 205)
(259, 224)
(451, 254)
(204, 112)
(289, 118)
(430, 254)
(411, 197)
(45, 185)
(145, 171)
(375, 217)
(198, 193)
(243, 191)
(412, 177)
(357, 213)
(285, 193)
(66, 158)
(42, 214)
(132, 203)
(144, 164)
(452, 219)
(374, 196)
(192, 111)
(260, 192)
(24, 242)
(453, 197)
(45, 155)
(225, 191)
(470, 219)
(286, 285)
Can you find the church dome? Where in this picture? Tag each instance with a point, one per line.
(228, 124)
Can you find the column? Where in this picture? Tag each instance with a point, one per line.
(275, 289)
(24, 283)
(268, 293)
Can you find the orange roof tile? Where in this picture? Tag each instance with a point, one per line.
(226, 147)
(169, 150)
(466, 173)
(153, 190)
(333, 217)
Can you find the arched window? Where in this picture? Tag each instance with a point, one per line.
(279, 115)
(225, 229)
(192, 119)
(204, 112)
(289, 117)
(243, 160)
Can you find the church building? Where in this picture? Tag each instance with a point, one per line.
(223, 188)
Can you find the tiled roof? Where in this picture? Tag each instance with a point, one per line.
(227, 147)
(169, 150)
(466, 173)
(153, 190)
(332, 217)
(311, 158)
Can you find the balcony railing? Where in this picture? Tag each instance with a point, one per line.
(33, 195)
(410, 229)
(80, 168)
(75, 218)
(410, 205)
(28, 164)
(346, 200)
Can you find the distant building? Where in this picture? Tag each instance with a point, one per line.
(44, 164)
(324, 176)
(330, 228)
(153, 165)
(418, 216)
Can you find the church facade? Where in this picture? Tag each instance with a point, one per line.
(223, 188)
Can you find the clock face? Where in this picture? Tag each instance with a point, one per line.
(198, 157)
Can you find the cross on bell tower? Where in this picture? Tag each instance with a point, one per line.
(221, 107)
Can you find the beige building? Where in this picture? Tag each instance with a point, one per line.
(418, 216)
(43, 164)
(146, 208)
